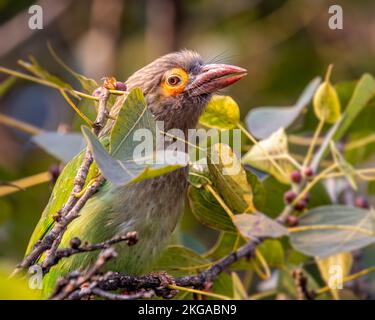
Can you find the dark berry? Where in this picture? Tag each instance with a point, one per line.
(308, 172)
(289, 196)
(75, 243)
(301, 205)
(292, 221)
(296, 176)
(121, 86)
(361, 202)
(306, 197)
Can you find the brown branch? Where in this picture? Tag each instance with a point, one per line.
(74, 204)
(66, 287)
(131, 238)
(301, 282)
(148, 285)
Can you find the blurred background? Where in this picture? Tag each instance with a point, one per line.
(282, 44)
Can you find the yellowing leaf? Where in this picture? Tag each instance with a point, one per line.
(229, 178)
(275, 147)
(222, 112)
(326, 102)
(333, 269)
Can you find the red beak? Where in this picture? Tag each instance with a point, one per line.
(214, 77)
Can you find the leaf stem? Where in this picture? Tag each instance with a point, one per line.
(317, 132)
(20, 125)
(25, 183)
(220, 200)
(331, 227)
(44, 82)
(210, 294)
(347, 279)
(76, 109)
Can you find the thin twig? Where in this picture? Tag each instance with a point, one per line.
(74, 204)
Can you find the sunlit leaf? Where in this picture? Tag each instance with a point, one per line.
(63, 146)
(326, 102)
(330, 230)
(229, 178)
(264, 121)
(208, 211)
(342, 263)
(258, 225)
(364, 91)
(222, 112)
(276, 146)
(344, 166)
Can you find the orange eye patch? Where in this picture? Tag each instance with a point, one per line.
(174, 81)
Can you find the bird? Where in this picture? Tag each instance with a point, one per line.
(176, 87)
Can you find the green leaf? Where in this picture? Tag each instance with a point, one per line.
(35, 68)
(180, 261)
(208, 211)
(330, 230)
(276, 146)
(229, 178)
(258, 225)
(223, 285)
(363, 93)
(271, 249)
(259, 194)
(62, 146)
(345, 167)
(273, 252)
(274, 202)
(132, 116)
(122, 166)
(122, 172)
(222, 112)
(264, 121)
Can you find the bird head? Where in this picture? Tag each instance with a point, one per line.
(178, 86)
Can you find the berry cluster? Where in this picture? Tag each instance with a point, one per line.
(289, 197)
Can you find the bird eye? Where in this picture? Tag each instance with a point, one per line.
(174, 80)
